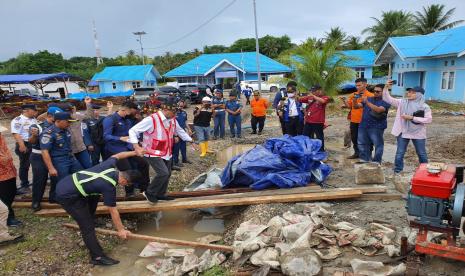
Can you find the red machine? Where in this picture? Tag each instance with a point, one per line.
(436, 201)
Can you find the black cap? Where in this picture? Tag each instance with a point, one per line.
(291, 83)
(233, 94)
(408, 88)
(315, 87)
(419, 90)
(29, 106)
(63, 116)
(96, 106)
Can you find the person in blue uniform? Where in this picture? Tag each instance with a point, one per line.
(116, 134)
(55, 144)
(181, 145)
(247, 91)
(218, 103)
(79, 194)
(95, 129)
(234, 108)
(39, 169)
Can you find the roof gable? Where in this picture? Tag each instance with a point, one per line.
(360, 58)
(125, 73)
(206, 63)
(441, 43)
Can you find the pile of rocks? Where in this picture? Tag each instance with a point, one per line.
(298, 243)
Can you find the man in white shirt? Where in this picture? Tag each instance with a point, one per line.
(20, 130)
(159, 130)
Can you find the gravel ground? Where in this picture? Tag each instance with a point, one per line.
(51, 250)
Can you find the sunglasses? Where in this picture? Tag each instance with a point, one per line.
(378, 91)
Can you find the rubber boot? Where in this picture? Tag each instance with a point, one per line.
(206, 148)
(203, 149)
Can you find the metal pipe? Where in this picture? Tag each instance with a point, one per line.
(257, 47)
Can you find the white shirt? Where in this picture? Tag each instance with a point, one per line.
(147, 125)
(292, 108)
(20, 125)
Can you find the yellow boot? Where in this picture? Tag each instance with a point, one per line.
(206, 148)
(203, 149)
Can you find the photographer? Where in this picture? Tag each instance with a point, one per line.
(410, 123)
(202, 118)
(356, 112)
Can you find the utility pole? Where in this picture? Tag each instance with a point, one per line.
(257, 48)
(140, 34)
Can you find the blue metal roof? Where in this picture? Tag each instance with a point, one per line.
(246, 61)
(125, 73)
(360, 58)
(441, 43)
(28, 78)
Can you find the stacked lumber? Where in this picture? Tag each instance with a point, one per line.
(301, 194)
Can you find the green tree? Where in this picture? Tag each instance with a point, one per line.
(325, 66)
(243, 44)
(214, 49)
(353, 43)
(392, 23)
(336, 35)
(434, 18)
(272, 46)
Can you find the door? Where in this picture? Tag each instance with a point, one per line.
(422, 79)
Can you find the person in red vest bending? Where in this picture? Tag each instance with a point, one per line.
(158, 131)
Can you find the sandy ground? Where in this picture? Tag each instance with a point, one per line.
(446, 142)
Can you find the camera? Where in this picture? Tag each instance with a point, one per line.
(394, 82)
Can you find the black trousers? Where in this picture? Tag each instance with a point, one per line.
(283, 125)
(82, 210)
(39, 177)
(7, 195)
(95, 155)
(247, 102)
(315, 131)
(257, 120)
(135, 163)
(159, 184)
(293, 127)
(354, 136)
(24, 164)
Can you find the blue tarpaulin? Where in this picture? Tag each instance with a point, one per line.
(285, 162)
(82, 95)
(28, 78)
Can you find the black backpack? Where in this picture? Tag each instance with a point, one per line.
(96, 131)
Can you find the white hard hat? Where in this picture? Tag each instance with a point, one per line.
(206, 99)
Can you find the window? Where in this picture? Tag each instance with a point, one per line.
(448, 80)
(360, 72)
(452, 62)
(113, 84)
(413, 65)
(402, 65)
(445, 63)
(400, 79)
(135, 84)
(408, 65)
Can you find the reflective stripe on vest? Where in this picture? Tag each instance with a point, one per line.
(78, 183)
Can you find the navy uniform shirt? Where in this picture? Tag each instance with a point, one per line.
(219, 101)
(57, 141)
(67, 190)
(368, 120)
(181, 117)
(115, 127)
(40, 128)
(233, 106)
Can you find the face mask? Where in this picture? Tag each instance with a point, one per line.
(290, 95)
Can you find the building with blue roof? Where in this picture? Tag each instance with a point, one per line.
(361, 61)
(434, 61)
(114, 79)
(226, 68)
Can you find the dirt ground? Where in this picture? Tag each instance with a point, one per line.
(51, 250)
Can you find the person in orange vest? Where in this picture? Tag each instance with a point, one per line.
(353, 103)
(158, 131)
(259, 106)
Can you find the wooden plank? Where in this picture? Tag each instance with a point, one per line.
(379, 197)
(144, 206)
(217, 247)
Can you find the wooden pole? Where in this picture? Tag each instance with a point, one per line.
(223, 248)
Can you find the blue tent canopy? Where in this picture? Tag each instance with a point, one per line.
(31, 78)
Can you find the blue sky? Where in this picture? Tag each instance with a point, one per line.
(65, 26)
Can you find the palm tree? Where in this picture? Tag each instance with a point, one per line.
(337, 35)
(323, 66)
(392, 23)
(434, 18)
(353, 43)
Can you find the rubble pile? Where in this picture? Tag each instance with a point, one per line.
(299, 243)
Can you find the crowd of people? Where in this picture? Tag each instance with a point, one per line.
(87, 155)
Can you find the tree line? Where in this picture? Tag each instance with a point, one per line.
(391, 23)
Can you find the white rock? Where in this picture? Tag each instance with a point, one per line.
(370, 268)
(292, 232)
(301, 262)
(248, 230)
(266, 256)
(369, 173)
(153, 249)
(295, 218)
